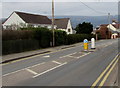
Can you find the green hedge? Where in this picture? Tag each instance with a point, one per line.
(43, 35)
(15, 41)
(16, 46)
(75, 38)
(16, 34)
(60, 37)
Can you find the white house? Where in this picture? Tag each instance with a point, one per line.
(115, 30)
(21, 19)
(64, 24)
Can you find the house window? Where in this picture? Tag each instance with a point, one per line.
(45, 26)
(68, 30)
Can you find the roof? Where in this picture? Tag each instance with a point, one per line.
(103, 27)
(62, 23)
(34, 18)
(115, 25)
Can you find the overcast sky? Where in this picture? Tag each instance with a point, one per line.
(60, 0)
(61, 8)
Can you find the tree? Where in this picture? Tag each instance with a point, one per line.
(84, 28)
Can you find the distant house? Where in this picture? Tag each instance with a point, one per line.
(108, 31)
(21, 19)
(64, 24)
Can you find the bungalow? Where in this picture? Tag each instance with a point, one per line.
(21, 19)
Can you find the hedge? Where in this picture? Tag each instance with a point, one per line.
(43, 35)
(15, 41)
(60, 37)
(75, 38)
(16, 34)
(17, 46)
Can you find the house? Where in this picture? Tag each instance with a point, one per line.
(21, 19)
(64, 24)
(109, 31)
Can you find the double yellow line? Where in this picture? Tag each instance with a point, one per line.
(108, 69)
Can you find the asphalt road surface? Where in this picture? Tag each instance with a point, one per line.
(67, 67)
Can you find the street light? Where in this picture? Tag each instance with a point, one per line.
(53, 23)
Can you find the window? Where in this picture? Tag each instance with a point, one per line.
(68, 30)
(45, 26)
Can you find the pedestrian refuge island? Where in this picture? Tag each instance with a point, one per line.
(86, 45)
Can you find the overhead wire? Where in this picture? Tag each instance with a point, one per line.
(93, 9)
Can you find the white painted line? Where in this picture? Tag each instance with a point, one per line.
(13, 72)
(68, 55)
(46, 56)
(49, 70)
(35, 65)
(72, 56)
(22, 69)
(31, 71)
(56, 62)
(83, 55)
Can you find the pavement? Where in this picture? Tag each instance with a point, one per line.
(64, 67)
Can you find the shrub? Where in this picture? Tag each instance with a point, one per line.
(43, 35)
(16, 34)
(75, 38)
(60, 37)
(16, 46)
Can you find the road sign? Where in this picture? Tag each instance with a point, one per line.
(85, 41)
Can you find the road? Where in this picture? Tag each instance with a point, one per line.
(67, 67)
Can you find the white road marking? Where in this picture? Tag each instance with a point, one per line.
(31, 71)
(36, 65)
(83, 55)
(46, 56)
(22, 69)
(72, 56)
(49, 70)
(68, 55)
(56, 62)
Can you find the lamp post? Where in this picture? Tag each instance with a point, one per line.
(53, 42)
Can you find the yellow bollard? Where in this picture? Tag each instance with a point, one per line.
(85, 45)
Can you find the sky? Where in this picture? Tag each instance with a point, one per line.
(62, 7)
(60, 0)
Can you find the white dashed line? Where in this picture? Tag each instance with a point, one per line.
(83, 55)
(22, 69)
(68, 55)
(56, 62)
(31, 71)
(46, 56)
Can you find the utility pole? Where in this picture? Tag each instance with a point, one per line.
(53, 42)
(109, 25)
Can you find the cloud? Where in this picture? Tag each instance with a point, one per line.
(61, 8)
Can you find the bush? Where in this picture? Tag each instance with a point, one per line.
(75, 38)
(60, 37)
(43, 35)
(16, 34)
(17, 46)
